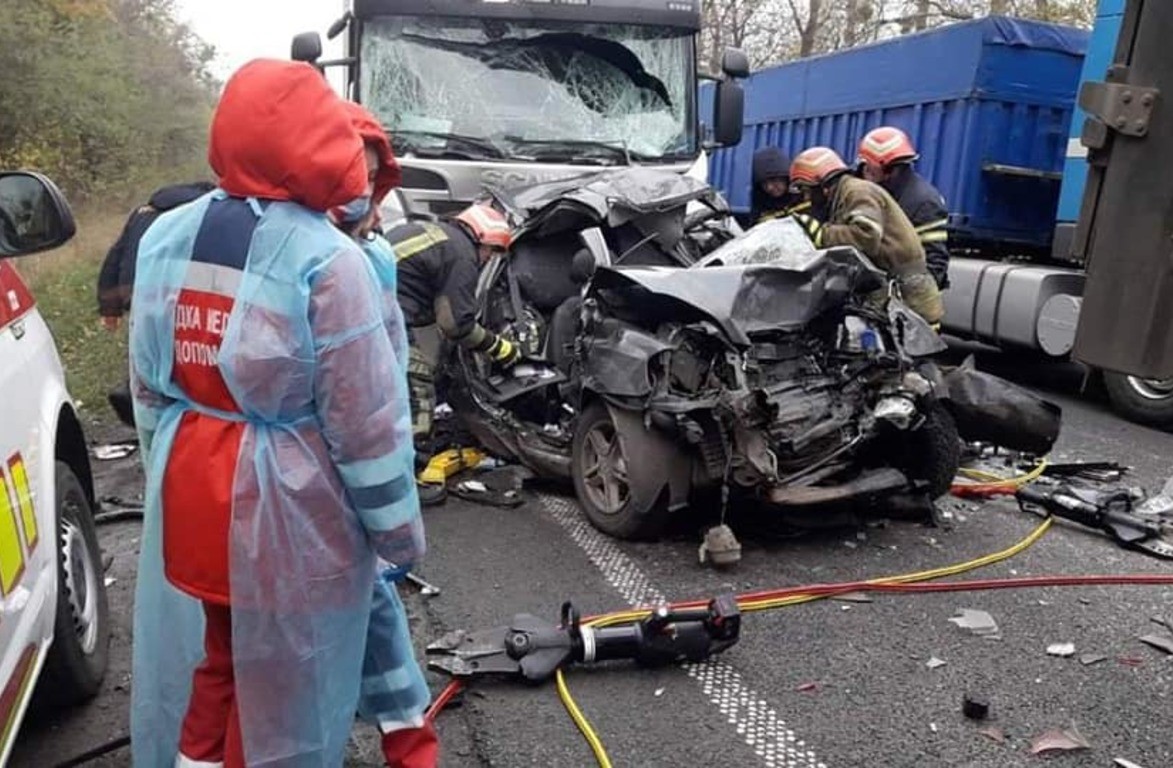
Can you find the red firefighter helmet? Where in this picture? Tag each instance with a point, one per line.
(816, 166)
(886, 146)
(487, 225)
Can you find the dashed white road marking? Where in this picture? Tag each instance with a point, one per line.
(755, 721)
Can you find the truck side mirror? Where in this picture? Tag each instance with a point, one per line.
(728, 113)
(307, 47)
(734, 63)
(34, 215)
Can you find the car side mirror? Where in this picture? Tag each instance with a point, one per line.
(34, 215)
(307, 47)
(734, 63)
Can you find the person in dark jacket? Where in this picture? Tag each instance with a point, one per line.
(771, 197)
(117, 276)
(886, 155)
(438, 264)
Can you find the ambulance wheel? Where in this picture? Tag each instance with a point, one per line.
(77, 659)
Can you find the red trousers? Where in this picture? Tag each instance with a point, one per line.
(211, 737)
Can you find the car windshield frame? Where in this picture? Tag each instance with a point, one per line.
(537, 90)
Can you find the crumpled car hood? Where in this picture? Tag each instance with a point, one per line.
(612, 196)
(742, 299)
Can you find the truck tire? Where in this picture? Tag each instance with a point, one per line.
(77, 659)
(610, 486)
(1144, 401)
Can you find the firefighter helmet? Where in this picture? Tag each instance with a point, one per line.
(886, 146)
(816, 166)
(487, 225)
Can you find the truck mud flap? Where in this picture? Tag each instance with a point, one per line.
(872, 483)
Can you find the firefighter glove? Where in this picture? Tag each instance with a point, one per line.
(503, 351)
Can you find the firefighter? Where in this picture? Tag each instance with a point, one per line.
(438, 267)
(863, 215)
(394, 693)
(277, 451)
(771, 197)
(886, 156)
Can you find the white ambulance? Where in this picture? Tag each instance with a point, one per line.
(54, 627)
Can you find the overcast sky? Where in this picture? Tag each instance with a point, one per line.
(247, 29)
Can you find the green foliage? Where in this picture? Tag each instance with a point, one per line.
(109, 97)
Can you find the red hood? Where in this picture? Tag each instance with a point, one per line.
(371, 131)
(280, 133)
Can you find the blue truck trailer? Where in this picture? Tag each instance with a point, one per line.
(992, 106)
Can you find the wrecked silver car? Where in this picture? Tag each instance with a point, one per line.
(668, 356)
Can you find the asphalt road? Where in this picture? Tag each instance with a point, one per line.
(875, 702)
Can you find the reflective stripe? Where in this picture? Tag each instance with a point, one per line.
(935, 237)
(212, 278)
(432, 235)
(938, 224)
(183, 761)
(859, 218)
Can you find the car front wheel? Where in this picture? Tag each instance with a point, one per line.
(77, 659)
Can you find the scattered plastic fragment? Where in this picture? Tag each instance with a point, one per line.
(1084, 601)
(933, 727)
(1130, 661)
(934, 662)
(994, 733)
(474, 486)
(112, 451)
(1059, 740)
(854, 597)
(110, 580)
(659, 692)
(1120, 762)
(850, 544)
(1061, 649)
(980, 623)
(807, 687)
(975, 707)
(1087, 659)
(1160, 642)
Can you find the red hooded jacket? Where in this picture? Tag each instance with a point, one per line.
(371, 131)
(281, 133)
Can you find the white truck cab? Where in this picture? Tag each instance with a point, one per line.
(54, 629)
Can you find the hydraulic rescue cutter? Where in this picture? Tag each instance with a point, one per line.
(534, 650)
(1113, 511)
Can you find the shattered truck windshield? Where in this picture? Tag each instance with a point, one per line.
(492, 89)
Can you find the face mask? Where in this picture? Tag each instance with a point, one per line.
(353, 211)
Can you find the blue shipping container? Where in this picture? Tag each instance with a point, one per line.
(988, 104)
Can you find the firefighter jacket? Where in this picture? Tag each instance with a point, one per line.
(926, 209)
(863, 215)
(437, 272)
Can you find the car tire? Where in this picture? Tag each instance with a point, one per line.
(931, 454)
(77, 659)
(613, 490)
(1139, 400)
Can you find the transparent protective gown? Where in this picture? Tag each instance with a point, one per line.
(394, 693)
(323, 484)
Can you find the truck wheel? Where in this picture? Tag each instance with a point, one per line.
(77, 659)
(932, 453)
(610, 485)
(1145, 401)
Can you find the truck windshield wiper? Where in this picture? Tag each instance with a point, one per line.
(484, 147)
(574, 149)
